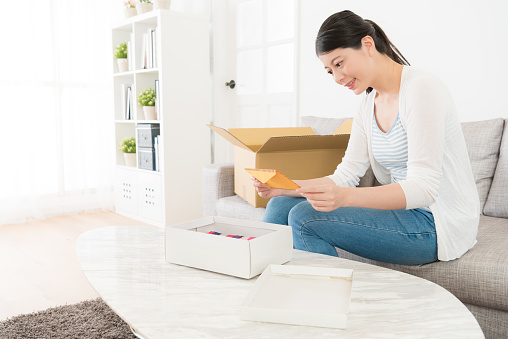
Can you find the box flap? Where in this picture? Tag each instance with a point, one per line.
(229, 137)
(345, 128)
(254, 138)
(307, 142)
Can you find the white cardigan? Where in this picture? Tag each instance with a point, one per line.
(439, 173)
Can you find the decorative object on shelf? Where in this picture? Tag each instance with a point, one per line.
(162, 4)
(121, 57)
(144, 6)
(129, 8)
(128, 147)
(147, 100)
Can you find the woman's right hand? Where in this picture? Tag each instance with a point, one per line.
(264, 191)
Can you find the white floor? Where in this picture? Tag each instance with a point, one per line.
(38, 264)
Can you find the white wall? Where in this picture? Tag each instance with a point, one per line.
(463, 42)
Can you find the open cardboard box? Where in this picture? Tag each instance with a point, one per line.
(300, 295)
(190, 244)
(296, 152)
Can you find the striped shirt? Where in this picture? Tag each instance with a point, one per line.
(390, 150)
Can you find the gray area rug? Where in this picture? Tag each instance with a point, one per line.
(87, 319)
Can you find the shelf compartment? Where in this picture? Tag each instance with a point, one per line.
(120, 97)
(144, 81)
(119, 36)
(123, 131)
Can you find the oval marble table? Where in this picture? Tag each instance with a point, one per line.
(126, 266)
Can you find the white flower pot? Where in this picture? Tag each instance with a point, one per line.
(144, 7)
(129, 12)
(162, 4)
(130, 159)
(123, 65)
(149, 112)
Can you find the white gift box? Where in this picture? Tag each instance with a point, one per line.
(300, 295)
(190, 244)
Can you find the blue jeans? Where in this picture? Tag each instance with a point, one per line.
(406, 237)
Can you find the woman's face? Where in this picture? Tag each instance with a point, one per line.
(349, 67)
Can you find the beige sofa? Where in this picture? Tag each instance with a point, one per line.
(480, 277)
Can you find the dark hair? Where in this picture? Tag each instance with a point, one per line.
(346, 29)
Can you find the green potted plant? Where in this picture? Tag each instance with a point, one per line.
(122, 57)
(147, 100)
(144, 6)
(128, 147)
(129, 8)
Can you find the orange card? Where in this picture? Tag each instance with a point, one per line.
(273, 178)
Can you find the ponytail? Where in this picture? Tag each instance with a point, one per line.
(391, 51)
(346, 29)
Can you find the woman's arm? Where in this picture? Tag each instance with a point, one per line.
(266, 192)
(327, 198)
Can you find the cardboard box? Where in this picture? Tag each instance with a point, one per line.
(296, 152)
(300, 295)
(190, 244)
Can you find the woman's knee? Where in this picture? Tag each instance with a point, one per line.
(300, 213)
(276, 202)
(278, 208)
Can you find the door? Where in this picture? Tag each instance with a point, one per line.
(259, 53)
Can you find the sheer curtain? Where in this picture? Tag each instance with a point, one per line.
(56, 127)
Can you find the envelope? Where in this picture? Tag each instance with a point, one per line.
(273, 178)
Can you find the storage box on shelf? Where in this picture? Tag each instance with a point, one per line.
(167, 179)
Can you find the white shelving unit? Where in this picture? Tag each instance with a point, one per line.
(174, 193)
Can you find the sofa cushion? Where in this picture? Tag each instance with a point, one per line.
(497, 201)
(322, 126)
(482, 140)
(479, 277)
(235, 207)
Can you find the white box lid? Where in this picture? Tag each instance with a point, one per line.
(300, 295)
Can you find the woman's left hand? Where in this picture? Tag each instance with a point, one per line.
(324, 198)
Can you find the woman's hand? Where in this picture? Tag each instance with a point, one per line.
(324, 198)
(264, 191)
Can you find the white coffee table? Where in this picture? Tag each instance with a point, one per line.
(126, 266)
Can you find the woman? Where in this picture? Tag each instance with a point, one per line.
(408, 131)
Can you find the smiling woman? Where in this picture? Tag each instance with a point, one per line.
(346, 29)
(408, 131)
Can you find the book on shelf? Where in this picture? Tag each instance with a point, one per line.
(123, 98)
(128, 111)
(143, 52)
(156, 48)
(148, 49)
(126, 101)
(129, 51)
(152, 46)
(157, 106)
(156, 148)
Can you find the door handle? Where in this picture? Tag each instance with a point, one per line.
(231, 84)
